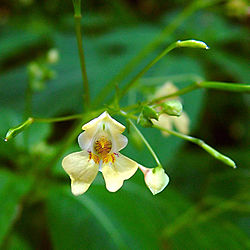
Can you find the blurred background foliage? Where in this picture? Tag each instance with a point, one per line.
(205, 206)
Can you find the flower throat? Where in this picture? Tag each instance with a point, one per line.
(102, 146)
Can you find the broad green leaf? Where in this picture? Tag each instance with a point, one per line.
(17, 242)
(133, 218)
(13, 41)
(12, 189)
(130, 218)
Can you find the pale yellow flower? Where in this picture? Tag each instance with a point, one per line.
(181, 123)
(100, 143)
(155, 178)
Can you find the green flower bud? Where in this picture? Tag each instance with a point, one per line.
(146, 123)
(12, 132)
(172, 107)
(150, 113)
(192, 44)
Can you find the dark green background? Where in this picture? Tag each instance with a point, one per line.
(205, 205)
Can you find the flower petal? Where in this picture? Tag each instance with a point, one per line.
(81, 170)
(167, 88)
(115, 173)
(104, 118)
(164, 121)
(119, 141)
(85, 139)
(182, 123)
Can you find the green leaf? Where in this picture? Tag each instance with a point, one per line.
(14, 41)
(120, 220)
(17, 242)
(12, 190)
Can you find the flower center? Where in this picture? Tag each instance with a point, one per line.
(102, 146)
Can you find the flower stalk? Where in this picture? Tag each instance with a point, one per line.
(78, 17)
(146, 143)
(202, 144)
(234, 87)
(178, 44)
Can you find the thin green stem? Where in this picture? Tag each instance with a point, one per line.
(78, 17)
(235, 87)
(28, 110)
(202, 144)
(58, 119)
(146, 143)
(28, 101)
(131, 83)
(183, 91)
(168, 30)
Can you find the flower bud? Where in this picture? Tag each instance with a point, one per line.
(150, 113)
(155, 178)
(146, 123)
(192, 44)
(12, 132)
(172, 107)
(52, 56)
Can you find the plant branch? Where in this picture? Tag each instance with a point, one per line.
(183, 91)
(78, 17)
(145, 142)
(235, 87)
(202, 144)
(57, 119)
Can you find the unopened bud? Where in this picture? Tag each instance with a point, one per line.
(12, 132)
(53, 56)
(192, 44)
(155, 178)
(150, 113)
(172, 107)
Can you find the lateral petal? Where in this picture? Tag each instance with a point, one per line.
(115, 173)
(81, 170)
